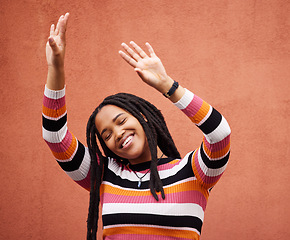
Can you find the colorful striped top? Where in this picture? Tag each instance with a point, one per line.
(130, 211)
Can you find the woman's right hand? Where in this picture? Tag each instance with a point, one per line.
(55, 46)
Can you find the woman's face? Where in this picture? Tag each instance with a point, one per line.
(123, 134)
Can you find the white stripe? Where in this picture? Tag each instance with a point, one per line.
(210, 172)
(166, 209)
(221, 132)
(206, 116)
(171, 172)
(151, 226)
(53, 118)
(54, 94)
(122, 188)
(131, 176)
(84, 168)
(185, 100)
(54, 137)
(180, 182)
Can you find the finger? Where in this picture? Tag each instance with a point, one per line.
(131, 52)
(62, 25)
(128, 59)
(150, 49)
(138, 49)
(51, 33)
(57, 25)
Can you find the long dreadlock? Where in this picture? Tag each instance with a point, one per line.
(157, 134)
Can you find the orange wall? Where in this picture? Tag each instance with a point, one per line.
(234, 54)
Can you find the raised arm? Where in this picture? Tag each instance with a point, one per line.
(210, 159)
(71, 154)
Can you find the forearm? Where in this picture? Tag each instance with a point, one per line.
(209, 120)
(210, 160)
(71, 154)
(55, 78)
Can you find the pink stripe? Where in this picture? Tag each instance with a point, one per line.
(143, 237)
(206, 179)
(168, 165)
(180, 197)
(53, 103)
(219, 145)
(63, 145)
(193, 106)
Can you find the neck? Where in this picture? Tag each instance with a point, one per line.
(146, 157)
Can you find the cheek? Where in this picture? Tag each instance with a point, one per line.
(110, 144)
(142, 135)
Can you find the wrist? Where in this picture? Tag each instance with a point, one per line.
(56, 69)
(177, 93)
(172, 90)
(166, 85)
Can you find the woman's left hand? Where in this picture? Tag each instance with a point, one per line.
(149, 67)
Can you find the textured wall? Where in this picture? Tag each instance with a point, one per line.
(234, 54)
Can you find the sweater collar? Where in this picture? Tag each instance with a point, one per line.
(146, 165)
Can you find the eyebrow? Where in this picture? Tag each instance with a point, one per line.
(114, 120)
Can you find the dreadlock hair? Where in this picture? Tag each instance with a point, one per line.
(157, 134)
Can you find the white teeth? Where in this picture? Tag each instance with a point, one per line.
(126, 141)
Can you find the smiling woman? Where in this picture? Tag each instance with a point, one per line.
(123, 134)
(143, 195)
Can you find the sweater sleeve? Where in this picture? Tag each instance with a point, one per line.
(210, 159)
(72, 156)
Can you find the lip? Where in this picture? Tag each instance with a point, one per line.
(124, 139)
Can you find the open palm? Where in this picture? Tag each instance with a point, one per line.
(149, 67)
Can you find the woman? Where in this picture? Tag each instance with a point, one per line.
(146, 189)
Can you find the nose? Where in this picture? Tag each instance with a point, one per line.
(119, 133)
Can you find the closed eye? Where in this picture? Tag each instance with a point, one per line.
(108, 136)
(123, 121)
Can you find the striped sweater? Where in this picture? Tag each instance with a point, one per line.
(130, 211)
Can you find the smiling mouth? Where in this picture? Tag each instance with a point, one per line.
(127, 141)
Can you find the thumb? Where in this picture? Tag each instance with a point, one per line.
(53, 45)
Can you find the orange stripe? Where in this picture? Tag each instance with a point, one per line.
(186, 186)
(204, 185)
(201, 113)
(69, 152)
(182, 187)
(217, 154)
(52, 112)
(174, 161)
(151, 231)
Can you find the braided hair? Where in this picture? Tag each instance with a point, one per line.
(157, 135)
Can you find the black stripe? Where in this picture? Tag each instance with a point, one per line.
(75, 163)
(212, 122)
(214, 164)
(111, 177)
(151, 219)
(182, 174)
(52, 125)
